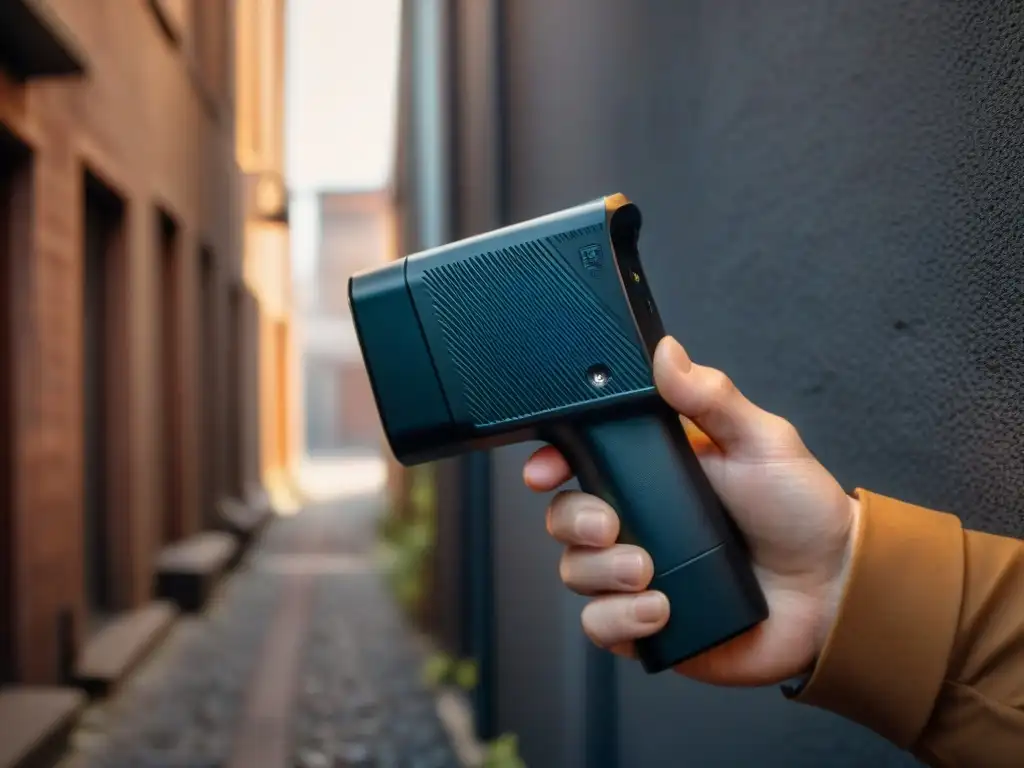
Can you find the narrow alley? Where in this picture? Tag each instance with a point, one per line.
(301, 659)
(210, 556)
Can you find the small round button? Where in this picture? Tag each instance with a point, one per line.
(598, 375)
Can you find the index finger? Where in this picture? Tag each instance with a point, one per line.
(546, 469)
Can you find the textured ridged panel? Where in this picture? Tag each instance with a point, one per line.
(522, 333)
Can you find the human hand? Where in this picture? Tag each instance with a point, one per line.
(797, 520)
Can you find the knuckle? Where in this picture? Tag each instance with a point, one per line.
(719, 386)
(783, 431)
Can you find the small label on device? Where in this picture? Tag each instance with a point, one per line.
(592, 258)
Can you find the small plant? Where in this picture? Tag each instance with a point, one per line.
(503, 752)
(406, 545)
(407, 542)
(437, 669)
(465, 674)
(441, 669)
(422, 493)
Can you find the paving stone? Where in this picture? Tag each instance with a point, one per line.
(360, 701)
(364, 672)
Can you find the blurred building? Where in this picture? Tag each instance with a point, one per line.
(131, 326)
(340, 158)
(271, 387)
(355, 230)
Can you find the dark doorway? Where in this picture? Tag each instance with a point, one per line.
(208, 389)
(15, 221)
(103, 232)
(169, 378)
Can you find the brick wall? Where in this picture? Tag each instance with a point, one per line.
(146, 127)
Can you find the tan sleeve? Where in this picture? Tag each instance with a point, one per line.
(928, 645)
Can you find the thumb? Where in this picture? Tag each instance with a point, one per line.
(709, 398)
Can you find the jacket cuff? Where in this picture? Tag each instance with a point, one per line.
(887, 653)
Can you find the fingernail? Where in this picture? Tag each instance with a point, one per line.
(629, 568)
(591, 527)
(650, 607)
(531, 473)
(677, 356)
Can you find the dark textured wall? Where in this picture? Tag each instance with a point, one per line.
(832, 195)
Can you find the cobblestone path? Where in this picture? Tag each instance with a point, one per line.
(302, 660)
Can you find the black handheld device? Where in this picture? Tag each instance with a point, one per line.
(546, 330)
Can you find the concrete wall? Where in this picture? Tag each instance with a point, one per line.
(148, 125)
(831, 199)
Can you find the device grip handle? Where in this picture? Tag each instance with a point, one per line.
(642, 464)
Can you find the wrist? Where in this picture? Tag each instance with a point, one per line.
(835, 588)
